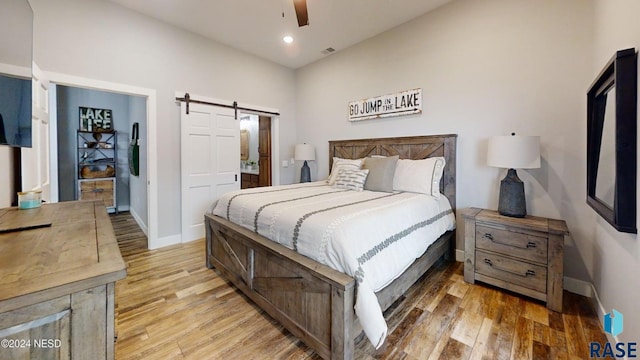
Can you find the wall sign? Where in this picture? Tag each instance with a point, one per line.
(96, 120)
(401, 103)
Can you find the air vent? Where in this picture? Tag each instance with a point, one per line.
(328, 51)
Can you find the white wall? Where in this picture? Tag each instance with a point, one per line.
(486, 68)
(491, 67)
(103, 41)
(613, 258)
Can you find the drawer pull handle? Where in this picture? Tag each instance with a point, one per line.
(527, 273)
(530, 244)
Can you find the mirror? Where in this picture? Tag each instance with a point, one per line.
(16, 44)
(606, 176)
(611, 142)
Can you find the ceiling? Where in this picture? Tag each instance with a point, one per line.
(258, 26)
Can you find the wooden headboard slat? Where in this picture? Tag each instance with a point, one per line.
(410, 147)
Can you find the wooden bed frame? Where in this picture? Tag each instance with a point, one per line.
(311, 300)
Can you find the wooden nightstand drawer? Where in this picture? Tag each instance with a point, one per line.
(512, 243)
(524, 255)
(512, 271)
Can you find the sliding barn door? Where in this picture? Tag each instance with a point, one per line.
(210, 162)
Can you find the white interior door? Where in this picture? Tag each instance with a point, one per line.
(35, 160)
(210, 162)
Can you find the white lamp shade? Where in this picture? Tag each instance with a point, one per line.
(304, 152)
(514, 152)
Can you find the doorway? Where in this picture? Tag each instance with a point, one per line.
(255, 151)
(148, 219)
(82, 162)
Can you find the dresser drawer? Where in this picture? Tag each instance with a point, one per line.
(98, 190)
(512, 271)
(515, 244)
(106, 185)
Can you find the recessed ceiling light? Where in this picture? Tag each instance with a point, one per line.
(288, 39)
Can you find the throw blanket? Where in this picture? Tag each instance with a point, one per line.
(371, 236)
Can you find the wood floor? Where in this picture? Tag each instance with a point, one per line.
(171, 306)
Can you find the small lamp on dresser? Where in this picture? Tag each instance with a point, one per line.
(513, 152)
(304, 152)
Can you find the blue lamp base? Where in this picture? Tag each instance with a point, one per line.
(305, 173)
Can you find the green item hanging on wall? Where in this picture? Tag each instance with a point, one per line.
(134, 151)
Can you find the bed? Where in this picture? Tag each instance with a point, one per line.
(312, 300)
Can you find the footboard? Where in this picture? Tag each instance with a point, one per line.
(311, 300)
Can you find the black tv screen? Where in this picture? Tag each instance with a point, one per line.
(15, 111)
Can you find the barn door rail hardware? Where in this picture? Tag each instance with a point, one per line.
(187, 99)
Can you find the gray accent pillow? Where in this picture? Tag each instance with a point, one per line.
(381, 171)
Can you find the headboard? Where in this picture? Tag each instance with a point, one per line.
(410, 147)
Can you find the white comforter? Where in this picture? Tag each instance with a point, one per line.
(372, 236)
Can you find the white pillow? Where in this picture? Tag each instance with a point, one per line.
(419, 176)
(351, 179)
(339, 163)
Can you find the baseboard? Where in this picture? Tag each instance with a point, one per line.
(165, 241)
(579, 287)
(597, 305)
(193, 240)
(587, 289)
(141, 223)
(459, 255)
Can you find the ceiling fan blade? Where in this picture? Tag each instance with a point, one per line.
(301, 12)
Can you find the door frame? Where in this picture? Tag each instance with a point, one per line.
(152, 160)
(35, 171)
(275, 138)
(273, 163)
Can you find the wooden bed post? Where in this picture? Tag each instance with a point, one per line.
(207, 228)
(342, 314)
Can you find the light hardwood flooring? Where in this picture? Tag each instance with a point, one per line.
(171, 306)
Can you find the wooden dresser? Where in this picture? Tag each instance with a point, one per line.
(57, 282)
(523, 255)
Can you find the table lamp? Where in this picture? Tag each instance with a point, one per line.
(304, 152)
(513, 152)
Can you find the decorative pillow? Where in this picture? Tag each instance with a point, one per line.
(381, 171)
(419, 176)
(339, 163)
(351, 179)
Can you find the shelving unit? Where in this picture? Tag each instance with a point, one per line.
(97, 159)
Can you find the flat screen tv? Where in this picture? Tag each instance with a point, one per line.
(15, 111)
(16, 54)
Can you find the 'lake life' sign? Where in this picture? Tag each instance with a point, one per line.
(96, 120)
(401, 103)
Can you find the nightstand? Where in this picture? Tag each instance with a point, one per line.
(523, 255)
